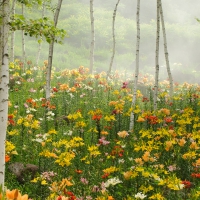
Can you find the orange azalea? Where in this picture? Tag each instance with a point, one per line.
(140, 119)
(12, 194)
(123, 134)
(7, 158)
(181, 142)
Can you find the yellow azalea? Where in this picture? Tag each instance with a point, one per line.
(94, 150)
(189, 155)
(110, 170)
(109, 118)
(13, 132)
(157, 196)
(20, 121)
(137, 110)
(52, 131)
(64, 159)
(80, 124)
(48, 154)
(43, 182)
(35, 124)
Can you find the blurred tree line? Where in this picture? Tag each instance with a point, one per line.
(182, 33)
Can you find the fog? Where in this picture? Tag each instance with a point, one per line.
(183, 55)
(183, 37)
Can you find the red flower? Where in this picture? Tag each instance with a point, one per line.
(168, 119)
(195, 175)
(105, 175)
(187, 184)
(96, 117)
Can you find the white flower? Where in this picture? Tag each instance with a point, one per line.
(139, 195)
(50, 113)
(112, 181)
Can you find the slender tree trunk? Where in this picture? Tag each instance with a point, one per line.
(157, 57)
(92, 37)
(23, 42)
(12, 56)
(165, 50)
(50, 58)
(4, 80)
(40, 44)
(114, 42)
(137, 67)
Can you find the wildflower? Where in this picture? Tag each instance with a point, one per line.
(157, 196)
(127, 175)
(187, 184)
(84, 181)
(195, 175)
(112, 181)
(140, 119)
(7, 158)
(123, 134)
(103, 141)
(140, 195)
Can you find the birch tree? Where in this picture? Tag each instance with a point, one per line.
(137, 66)
(114, 42)
(92, 37)
(12, 53)
(51, 48)
(40, 41)
(4, 80)
(23, 41)
(157, 57)
(165, 50)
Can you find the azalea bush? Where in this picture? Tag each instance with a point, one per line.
(78, 144)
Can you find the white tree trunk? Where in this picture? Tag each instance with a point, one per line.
(12, 53)
(4, 80)
(165, 50)
(92, 37)
(40, 44)
(136, 68)
(114, 42)
(23, 42)
(157, 57)
(50, 58)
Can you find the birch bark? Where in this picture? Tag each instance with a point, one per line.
(114, 41)
(92, 37)
(12, 53)
(157, 57)
(51, 48)
(23, 42)
(40, 44)
(4, 80)
(136, 68)
(166, 51)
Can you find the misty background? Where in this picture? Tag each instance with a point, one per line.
(183, 37)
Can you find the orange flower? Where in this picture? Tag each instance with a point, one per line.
(127, 175)
(7, 158)
(181, 142)
(140, 119)
(78, 171)
(110, 198)
(146, 156)
(12, 194)
(123, 134)
(168, 145)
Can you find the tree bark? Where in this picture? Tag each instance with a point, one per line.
(136, 68)
(23, 42)
(12, 53)
(51, 48)
(114, 42)
(40, 44)
(4, 80)
(92, 37)
(166, 51)
(157, 57)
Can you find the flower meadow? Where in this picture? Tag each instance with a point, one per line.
(78, 144)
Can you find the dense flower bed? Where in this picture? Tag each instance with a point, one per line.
(80, 141)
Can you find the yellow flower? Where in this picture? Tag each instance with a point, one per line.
(127, 175)
(110, 170)
(157, 196)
